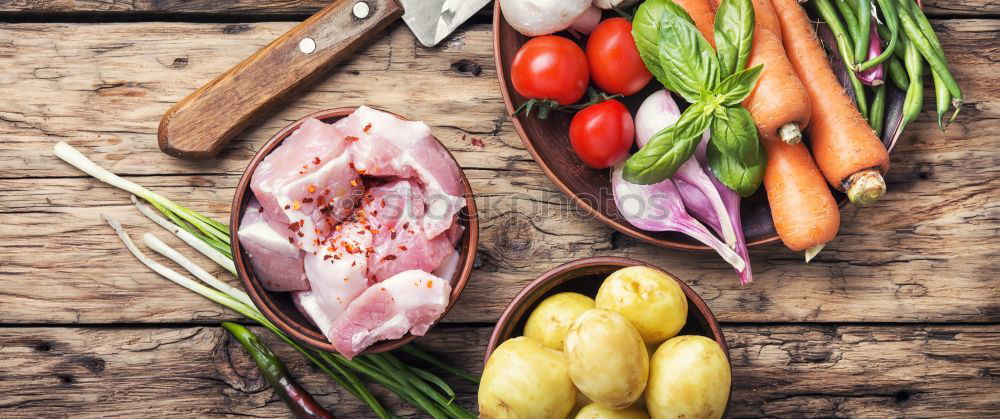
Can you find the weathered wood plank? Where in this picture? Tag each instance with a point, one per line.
(925, 252)
(779, 371)
(303, 7)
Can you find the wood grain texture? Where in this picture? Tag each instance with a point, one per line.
(779, 371)
(924, 253)
(299, 7)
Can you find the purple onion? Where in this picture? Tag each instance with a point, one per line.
(873, 76)
(659, 207)
(695, 187)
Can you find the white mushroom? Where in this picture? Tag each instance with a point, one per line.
(542, 17)
(611, 4)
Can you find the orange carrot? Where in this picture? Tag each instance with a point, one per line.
(802, 208)
(846, 149)
(779, 103)
(703, 15)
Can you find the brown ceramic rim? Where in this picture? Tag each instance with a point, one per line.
(629, 230)
(545, 283)
(306, 333)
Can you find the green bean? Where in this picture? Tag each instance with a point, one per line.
(862, 31)
(925, 26)
(924, 46)
(827, 13)
(877, 115)
(897, 73)
(850, 18)
(892, 23)
(942, 99)
(915, 93)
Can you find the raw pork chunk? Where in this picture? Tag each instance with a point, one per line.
(396, 211)
(338, 273)
(275, 261)
(308, 183)
(410, 301)
(384, 145)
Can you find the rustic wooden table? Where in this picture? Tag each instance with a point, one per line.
(899, 316)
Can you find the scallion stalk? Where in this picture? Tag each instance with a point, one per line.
(211, 238)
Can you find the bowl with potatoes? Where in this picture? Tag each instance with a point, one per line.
(606, 337)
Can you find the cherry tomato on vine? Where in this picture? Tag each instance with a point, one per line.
(602, 134)
(614, 60)
(550, 67)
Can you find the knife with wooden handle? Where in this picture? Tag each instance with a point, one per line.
(199, 126)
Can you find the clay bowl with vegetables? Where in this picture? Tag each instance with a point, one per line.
(286, 311)
(609, 330)
(562, 151)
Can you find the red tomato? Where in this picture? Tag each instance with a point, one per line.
(602, 134)
(614, 60)
(550, 67)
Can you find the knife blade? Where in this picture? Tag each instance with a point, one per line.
(433, 20)
(199, 125)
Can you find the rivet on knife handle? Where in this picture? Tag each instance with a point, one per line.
(199, 125)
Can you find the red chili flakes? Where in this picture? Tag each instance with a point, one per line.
(287, 206)
(316, 230)
(392, 234)
(478, 142)
(327, 257)
(406, 225)
(367, 128)
(302, 223)
(403, 248)
(261, 209)
(336, 257)
(316, 160)
(351, 139)
(338, 227)
(354, 263)
(307, 200)
(326, 209)
(382, 204)
(361, 172)
(301, 234)
(321, 200)
(294, 226)
(389, 258)
(291, 240)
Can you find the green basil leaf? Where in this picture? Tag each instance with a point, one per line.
(735, 88)
(669, 148)
(735, 155)
(734, 22)
(688, 61)
(646, 33)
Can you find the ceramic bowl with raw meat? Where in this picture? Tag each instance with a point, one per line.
(354, 230)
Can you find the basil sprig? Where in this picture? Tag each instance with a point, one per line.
(715, 83)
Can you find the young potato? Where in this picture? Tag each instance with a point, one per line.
(606, 358)
(524, 379)
(549, 322)
(596, 411)
(689, 377)
(648, 298)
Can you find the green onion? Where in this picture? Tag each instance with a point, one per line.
(207, 236)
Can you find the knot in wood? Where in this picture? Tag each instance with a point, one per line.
(514, 236)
